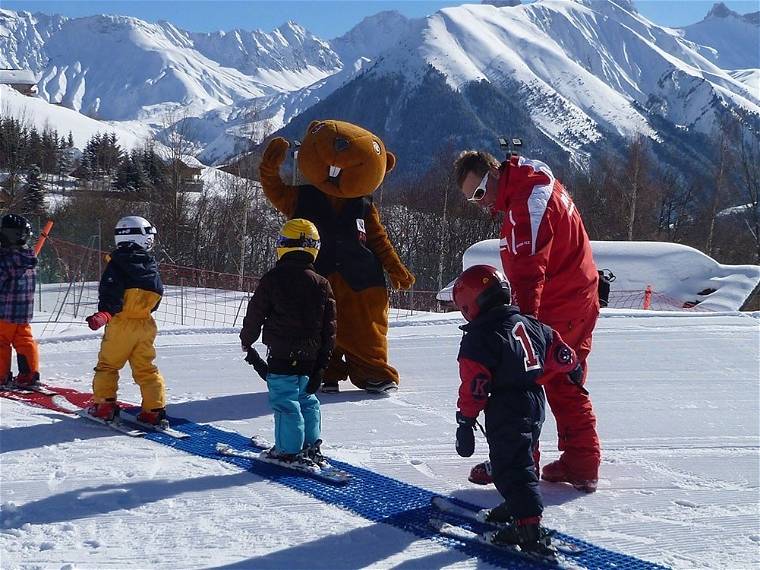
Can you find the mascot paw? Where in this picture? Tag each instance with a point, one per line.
(401, 278)
(276, 152)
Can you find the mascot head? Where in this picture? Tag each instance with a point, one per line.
(343, 160)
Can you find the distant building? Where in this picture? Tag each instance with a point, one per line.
(22, 80)
(188, 170)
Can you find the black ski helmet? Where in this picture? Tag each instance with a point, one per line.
(14, 230)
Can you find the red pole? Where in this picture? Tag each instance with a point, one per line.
(648, 297)
(43, 236)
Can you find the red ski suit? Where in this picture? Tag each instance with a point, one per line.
(546, 255)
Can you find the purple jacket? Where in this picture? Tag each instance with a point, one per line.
(18, 277)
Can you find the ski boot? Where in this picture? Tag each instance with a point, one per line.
(314, 453)
(498, 516)
(330, 387)
(295, 459)
(107, 410)
(556, 472)
(528, 534)
(155, 417)
(481, 474)
(27, 379)
(380, 386)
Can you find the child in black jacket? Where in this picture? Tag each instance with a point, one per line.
(295, 308)
(501, 358)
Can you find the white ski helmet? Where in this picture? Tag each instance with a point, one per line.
(135, 229)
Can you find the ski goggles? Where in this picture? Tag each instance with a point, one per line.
(480, 191)
(283, 241)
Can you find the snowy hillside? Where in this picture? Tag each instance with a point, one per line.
(676, 399)
(680, 273)
(39, 113)
(583, 70)
(728, 39)
(585, 67)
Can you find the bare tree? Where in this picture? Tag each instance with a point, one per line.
(749, 162)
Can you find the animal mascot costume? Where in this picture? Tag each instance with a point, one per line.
(344, 164)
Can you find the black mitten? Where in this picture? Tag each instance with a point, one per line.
(465, 435)
(576, 377)
(259, 364)
(315, 381)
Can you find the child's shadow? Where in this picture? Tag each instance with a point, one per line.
(554, 494)
(250, 405)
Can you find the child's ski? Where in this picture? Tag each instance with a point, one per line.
(459, 533)
(449, 507)
(39, 388)
(114, 424)
(132, 419)
(49, 400)
(329, 474)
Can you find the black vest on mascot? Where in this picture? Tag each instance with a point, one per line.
(343, 238)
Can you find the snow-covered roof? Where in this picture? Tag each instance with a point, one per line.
(191, 161)
(17, 76)
(678, 272)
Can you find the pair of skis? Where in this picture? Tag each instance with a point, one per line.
(469, 526)
(323, 471)
(128, 424)
(74, 402)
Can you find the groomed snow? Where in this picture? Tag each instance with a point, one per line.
(676, 398)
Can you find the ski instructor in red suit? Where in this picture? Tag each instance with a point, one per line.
(546, 255)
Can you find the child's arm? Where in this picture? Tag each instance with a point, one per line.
(560, 357)
(329, 329)
(257, 312)
(474, 388)
(476, 359)
(111, 290)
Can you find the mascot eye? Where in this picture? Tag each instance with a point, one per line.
(341, 144)
(376, 146)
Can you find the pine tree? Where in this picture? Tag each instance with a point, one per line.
(33, 201)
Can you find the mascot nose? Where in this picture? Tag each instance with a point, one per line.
(341, 144)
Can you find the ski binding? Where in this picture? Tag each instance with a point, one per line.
(328, 474)
(447, 506)
(166, 430)
(114, 424)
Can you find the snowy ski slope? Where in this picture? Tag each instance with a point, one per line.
(676, 397)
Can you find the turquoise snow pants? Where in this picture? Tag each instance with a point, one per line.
(297, 418)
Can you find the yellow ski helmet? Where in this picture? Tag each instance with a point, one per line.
(298, 234)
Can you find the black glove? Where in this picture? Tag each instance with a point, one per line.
(465, 435)
(259, 364)
(576, 377)
(315, 381)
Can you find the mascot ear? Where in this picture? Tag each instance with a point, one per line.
(390, 161)
(313, 127)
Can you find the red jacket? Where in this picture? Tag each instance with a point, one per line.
(544, 247)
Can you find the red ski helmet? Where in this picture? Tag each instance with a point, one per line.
(479, 288)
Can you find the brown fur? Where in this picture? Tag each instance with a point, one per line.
(364, 162)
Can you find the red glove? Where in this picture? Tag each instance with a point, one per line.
(98, 320)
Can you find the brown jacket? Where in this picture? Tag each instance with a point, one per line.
(295, 307)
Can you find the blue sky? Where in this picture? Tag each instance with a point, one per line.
(325, 18)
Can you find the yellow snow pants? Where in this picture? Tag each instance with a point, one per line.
(129, 340)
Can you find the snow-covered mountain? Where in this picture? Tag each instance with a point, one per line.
(567, 75)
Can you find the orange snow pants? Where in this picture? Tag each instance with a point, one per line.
(572, 409)
(129, 340)
(18, 336)
(362, 335)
